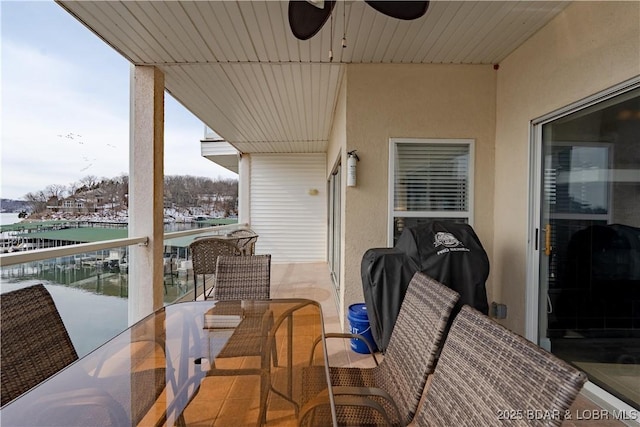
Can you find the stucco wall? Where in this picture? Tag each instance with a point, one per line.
(589, 47)
(414, 101)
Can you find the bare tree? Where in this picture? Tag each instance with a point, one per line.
(182, 191)
(89, 182)
(55, 192)
(37, 201)
(72, 188)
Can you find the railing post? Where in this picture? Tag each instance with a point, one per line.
(146, 188)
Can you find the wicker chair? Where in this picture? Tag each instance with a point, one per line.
(246, 241)
(488, 375)
(34, 343)
(244, 277)
(397, 383)
(204, 254)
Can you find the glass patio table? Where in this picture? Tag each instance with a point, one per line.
(213, 362)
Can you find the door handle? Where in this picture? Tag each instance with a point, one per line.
(547, 240)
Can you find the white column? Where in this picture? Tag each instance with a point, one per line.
(146, 182)
(244, 192)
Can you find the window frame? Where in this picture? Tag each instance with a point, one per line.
(393, 214)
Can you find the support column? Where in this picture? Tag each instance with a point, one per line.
(244, 189)
(146, 188)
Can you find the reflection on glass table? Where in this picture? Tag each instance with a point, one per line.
(185, 365)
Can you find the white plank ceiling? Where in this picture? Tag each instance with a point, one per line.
(237, 66)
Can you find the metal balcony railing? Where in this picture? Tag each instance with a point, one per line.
(90, 281)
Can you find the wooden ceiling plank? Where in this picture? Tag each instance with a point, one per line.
(506, 27)
(395, 41)
(315, 112)
(112, 23)
(157, 18)
(204, 16)
(334, 77)
(279, 89)
(280, 33)
(265, 101)
(253, 82)
(242, 78)
(482, 32)
(517, 26)
(420, 39)
(310, 94)
(225, 94)
(186, 85)
(375, 36)
(289, 72)
(225, 37)
(355, 40)
(293, 45)
(191, 35)
(277, 104)
(299, 99)
(244, 37)
(442, 30)
(257, 32)
(461, 36)
(418, 34)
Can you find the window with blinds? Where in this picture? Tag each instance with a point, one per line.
(430, 179)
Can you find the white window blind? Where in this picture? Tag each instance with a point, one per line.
(430, 179)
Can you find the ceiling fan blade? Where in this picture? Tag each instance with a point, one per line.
(406, 10)
(306, 20)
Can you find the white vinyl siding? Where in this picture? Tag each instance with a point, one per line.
(289, 206)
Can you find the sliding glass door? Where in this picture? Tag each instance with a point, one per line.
(335, 225)
(589, 241)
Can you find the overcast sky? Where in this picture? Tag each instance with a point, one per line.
(65, 106)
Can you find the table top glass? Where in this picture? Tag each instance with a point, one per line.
(194, 363)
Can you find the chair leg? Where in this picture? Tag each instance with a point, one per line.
(204, 287)
(274, 354)
(195, 286)
(264, 396)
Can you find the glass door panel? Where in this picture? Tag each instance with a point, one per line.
(335, 225)
(589, 264)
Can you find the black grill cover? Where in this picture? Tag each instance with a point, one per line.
(448, 252)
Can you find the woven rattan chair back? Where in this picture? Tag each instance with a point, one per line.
(205, 252)
(415, 341)
(34, 342)
(204, 256)
(244, 277)
(246, 241)
(411, 356)
(485, 370)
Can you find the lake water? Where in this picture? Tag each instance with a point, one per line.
(91, 319)
(91, 316)
(8, 218)
(93, 303)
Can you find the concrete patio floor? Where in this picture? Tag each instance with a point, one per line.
(313, 281)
